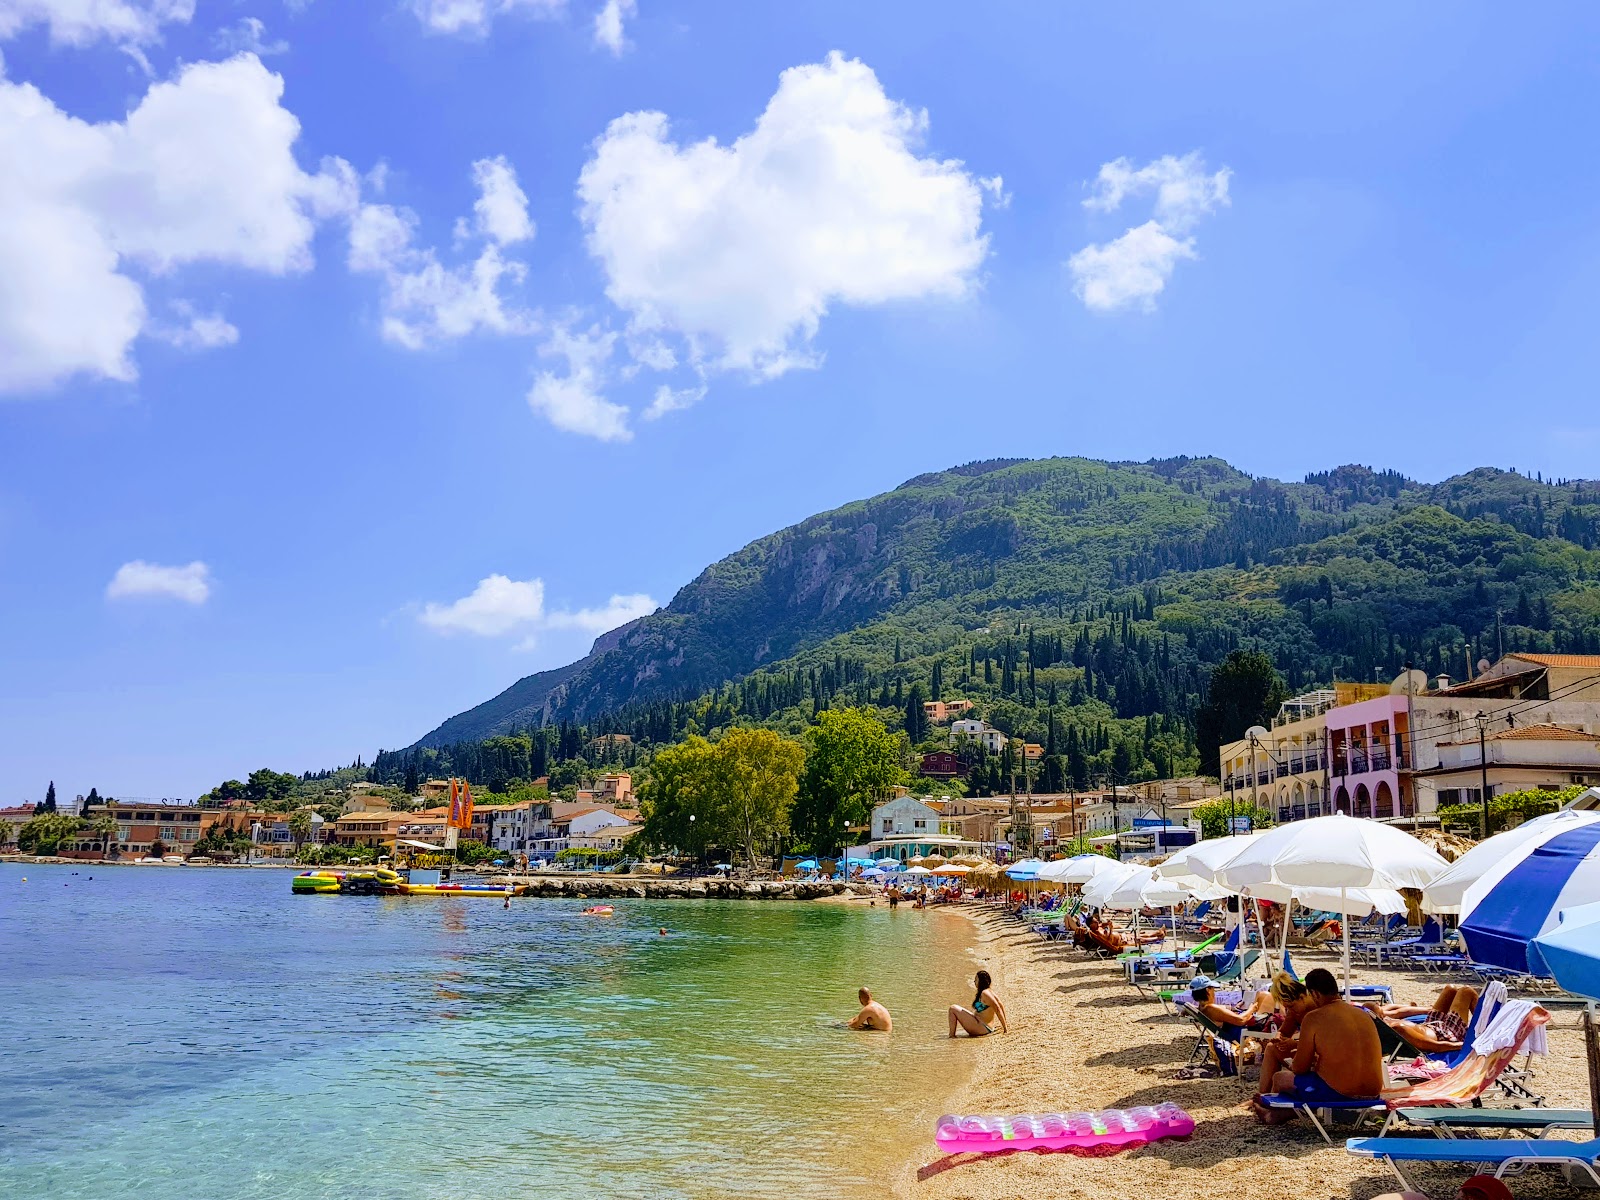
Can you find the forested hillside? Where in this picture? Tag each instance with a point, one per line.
(1081, 603)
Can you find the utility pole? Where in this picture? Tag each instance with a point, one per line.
(1483, 771)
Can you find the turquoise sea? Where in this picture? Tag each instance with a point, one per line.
(190, 1032)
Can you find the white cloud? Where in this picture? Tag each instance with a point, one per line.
(425, 301)
(81, 22)
(1184, 192)
(190, 584)
(203, 170)
(618, 611)
(500, 606)
(608, 24)
(502, 206)
(995, 185)
(196, 330)
(1133, 270)
(573, 402)
(247, 36)
(668, 400)
(473, 17)
(497, 606)
(742, 248)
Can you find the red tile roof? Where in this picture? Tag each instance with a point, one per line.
(1589, 661)
(1543, 733)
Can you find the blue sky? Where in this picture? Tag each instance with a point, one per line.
(358, 359)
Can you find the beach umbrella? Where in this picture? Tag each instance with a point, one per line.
(1504, 850)
(807, 864)
(1078, 869)
(951, 869)
(1146, 889)
(1571, 953)
(1521, 896)
(1097, 892)
(1337, 852)
(888, 864)
(858, 862)
(918, 871)
(1204, 859)
(1027, 869)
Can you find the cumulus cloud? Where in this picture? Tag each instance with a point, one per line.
(81, 22)
(425, 301)
(195, 330)
(668, 400)
(1132, 270)
(742, 248)
(573, 402)
(201, 171)
(499, 606)
(608, 24)
(473, 17)
(191, 584)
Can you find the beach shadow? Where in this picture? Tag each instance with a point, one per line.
(1083, 985)
(1122, 1000)
(1151, 1054)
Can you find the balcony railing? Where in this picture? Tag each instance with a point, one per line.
(1358, 762)
(1380, 760)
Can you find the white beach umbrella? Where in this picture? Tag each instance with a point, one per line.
(1098, 890)
(1204, 859)
(917, 871)
(1081, 869)
(1448, 892)
(1146, 889)
(952, 869)
(1338, 852)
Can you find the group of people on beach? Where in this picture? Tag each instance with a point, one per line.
(977, 1021)
(1326, 1048)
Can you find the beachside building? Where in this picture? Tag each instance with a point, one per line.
(942, 764)
(907, 828)
(12, 820)
(609, 791)
(940, 711)
(1524, 756)
(607, 838)
(990, 739)
(509, 827)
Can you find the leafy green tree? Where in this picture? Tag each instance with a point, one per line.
(852, 761)
(678, 801)
(1214, 814)
(1246, 690)
(1509, 809)
(158, 849)
(105, 827)
(762, 773)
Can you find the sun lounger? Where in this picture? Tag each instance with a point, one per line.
(1450, 1122)
(1463, 1084)
(1507, 1156)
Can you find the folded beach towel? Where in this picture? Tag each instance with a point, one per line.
(1503, 1030)
(1489, 1002)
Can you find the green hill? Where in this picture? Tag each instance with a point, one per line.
(1100, 592)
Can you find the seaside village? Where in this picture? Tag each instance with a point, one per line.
(1390, 938)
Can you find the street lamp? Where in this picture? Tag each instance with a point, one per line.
(1255, 733)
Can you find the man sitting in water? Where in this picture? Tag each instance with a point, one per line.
(1445, 1026)
(873, 1016)
(1338, 1056)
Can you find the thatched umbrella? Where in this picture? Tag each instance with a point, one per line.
(1449, 846)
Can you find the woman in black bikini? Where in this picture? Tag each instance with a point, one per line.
(979, 1020)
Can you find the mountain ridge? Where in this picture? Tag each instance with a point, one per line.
(948, 557)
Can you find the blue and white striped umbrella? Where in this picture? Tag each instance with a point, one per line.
(1522, 895)
(1571, 951)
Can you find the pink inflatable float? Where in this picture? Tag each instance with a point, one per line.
(1111, 1127)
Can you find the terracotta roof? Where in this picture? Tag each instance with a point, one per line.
(1591, 661)
(1543, 733)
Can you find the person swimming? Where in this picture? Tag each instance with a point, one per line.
(986, 1008)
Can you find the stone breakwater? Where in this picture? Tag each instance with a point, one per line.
(622, 887)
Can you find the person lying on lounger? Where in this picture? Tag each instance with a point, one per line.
(1233, 1021)
(1337, 1056)
(1444, 1030)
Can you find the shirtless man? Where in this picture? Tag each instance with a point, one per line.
(873, 1016)
(1337, 1057)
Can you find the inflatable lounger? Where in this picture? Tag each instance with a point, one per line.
(1110, 1127)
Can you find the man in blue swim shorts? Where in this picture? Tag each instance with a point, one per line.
(1338, 1057)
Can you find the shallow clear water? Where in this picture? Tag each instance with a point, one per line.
(190, 1032)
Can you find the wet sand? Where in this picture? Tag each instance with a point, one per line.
(1082, 1039)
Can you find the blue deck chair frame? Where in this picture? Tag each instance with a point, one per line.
(1506, 1156)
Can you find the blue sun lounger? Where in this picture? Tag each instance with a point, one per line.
(1500, 1157)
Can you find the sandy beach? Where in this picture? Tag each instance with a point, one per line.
(1082, 1039)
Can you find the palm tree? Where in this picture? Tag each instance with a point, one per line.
(105, 828)
(300, 826)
